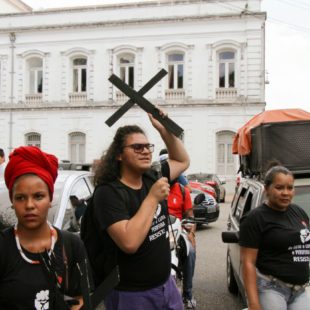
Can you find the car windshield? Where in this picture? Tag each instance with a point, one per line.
(302, 197)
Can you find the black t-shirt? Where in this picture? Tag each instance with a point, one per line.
(150, 265)
(282, 240)
(24, 286)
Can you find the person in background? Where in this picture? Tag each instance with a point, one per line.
(79, 206)
(35, 269)
(134, 218)
(180, 206)
(163, 155)
(275, 247)
(2, 163)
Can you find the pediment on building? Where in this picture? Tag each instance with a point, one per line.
(13, 6)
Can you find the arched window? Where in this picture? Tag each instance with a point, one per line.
(227, 69)
(79, 66)
(33, 139)
(35, 77)
(126, 63)
(77, 147)
(175, 70)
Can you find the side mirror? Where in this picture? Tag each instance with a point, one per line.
(230, 236)
(199, 199)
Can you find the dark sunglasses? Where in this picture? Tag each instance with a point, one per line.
(139, 147)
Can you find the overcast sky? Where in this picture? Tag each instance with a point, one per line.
(287, 48)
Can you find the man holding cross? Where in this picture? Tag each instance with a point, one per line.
(135, 217)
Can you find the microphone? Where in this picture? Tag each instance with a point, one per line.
(156, 167)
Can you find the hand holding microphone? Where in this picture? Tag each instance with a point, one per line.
(156, 167)
(161, 188)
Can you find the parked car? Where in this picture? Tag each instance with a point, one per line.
(213, 180)
(248, 196)
(207, 210)
(61, 215)
(67, 165)
(203, 187)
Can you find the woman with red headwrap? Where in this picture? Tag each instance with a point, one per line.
(38, 270)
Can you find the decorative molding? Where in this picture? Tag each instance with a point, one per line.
(110, 91)
(209, 50)
(3, 77)
(169, 47)
(139, 67)
(64, 78)
(20, 75)
(90, 78)
(160, 65)
(189, 65)
(33, 53)
(75, 51)
(242, 50)
(46, 79)
(125, 48)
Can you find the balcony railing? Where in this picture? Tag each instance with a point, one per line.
(175, 95)
(77, 97)
(121, 97)
(33, 98)
(226, 93)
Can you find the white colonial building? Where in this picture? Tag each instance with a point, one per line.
(55, 65)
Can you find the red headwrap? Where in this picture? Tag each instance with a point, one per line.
(30, 159)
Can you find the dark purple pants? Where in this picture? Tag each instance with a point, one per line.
(163, 297)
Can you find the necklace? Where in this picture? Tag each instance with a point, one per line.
(28, 260)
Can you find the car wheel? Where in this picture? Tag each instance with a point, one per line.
(231, 281)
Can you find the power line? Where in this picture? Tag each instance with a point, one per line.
(269, 19)
(293, 26)
(296, 4)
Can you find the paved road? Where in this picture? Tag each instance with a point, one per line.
(210, 287)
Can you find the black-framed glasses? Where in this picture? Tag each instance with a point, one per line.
(139, 147)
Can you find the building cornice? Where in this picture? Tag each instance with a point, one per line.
(129, 5)
(138, 21)
(108, 105)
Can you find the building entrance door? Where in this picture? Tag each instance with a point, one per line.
(226, 161)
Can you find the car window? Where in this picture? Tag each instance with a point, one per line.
(81, 190)
(239, 203)
(248, 204)
(244, 203)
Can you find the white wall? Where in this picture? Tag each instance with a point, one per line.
(198, 27)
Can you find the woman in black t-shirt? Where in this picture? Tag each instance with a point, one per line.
(275, 248)
(38, 270)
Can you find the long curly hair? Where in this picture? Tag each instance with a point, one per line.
(108, 167)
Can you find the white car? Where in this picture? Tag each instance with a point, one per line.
(68, 183)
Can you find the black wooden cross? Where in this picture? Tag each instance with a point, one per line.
(126, 106)
(137, 97)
